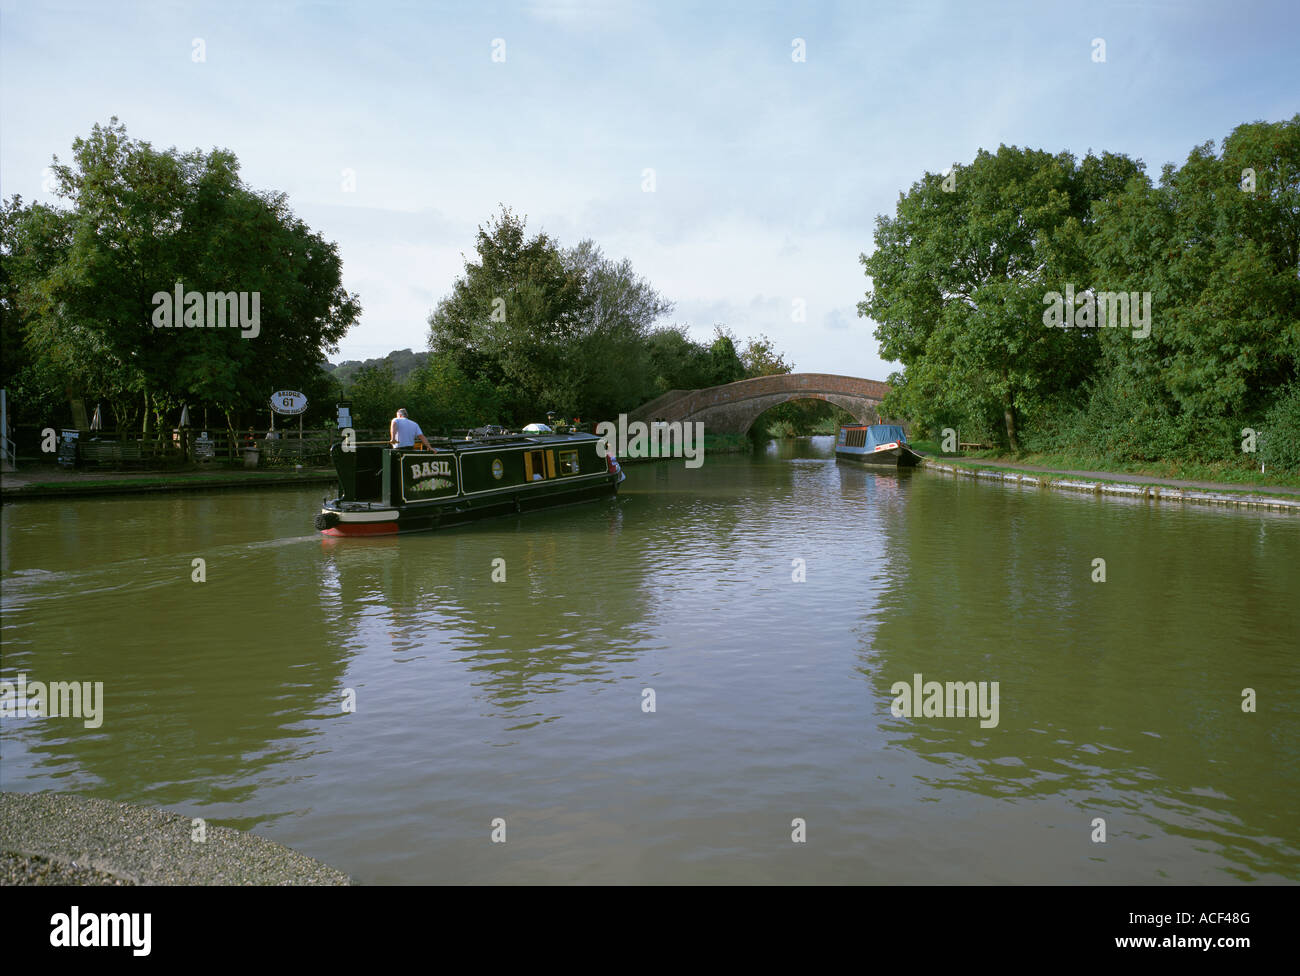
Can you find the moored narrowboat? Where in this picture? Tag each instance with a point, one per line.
(492, 472)
(882, 444)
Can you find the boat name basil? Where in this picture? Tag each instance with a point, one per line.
(430, 469)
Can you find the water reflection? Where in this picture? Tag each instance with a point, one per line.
(1122, 697)
(548, 620)
(199, 704)
(769, 601)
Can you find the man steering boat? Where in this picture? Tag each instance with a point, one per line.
(403, 432)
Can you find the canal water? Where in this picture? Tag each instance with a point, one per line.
(695, 682)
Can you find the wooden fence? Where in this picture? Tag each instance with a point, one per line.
(116, 450)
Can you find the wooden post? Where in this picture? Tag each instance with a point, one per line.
(8, 463)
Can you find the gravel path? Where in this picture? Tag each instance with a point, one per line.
(58, 838)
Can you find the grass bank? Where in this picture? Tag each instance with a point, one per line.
(1228, 475)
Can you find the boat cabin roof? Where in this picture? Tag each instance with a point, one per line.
(869, 436)
(508, 440)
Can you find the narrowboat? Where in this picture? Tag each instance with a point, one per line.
(882, 444)
(491, 472)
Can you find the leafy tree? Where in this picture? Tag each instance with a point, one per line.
(512, 315)
(677, 362)
(141, 221)
(1280, 439)
(375, 396)
(760, 358)
(1222, 264)
(724, 365)
(33, 240)
(610, 358)
(441, 397)
(959, 276)
(548, 329)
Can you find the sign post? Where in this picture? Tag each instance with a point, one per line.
(289, 403)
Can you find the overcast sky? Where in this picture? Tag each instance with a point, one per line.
(768, 172)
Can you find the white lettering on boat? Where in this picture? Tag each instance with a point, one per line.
(430, 469)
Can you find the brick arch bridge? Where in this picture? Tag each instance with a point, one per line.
(733, 407)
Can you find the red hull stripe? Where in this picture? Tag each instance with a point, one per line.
(362, 528)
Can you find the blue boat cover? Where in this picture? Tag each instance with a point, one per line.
(884, 434)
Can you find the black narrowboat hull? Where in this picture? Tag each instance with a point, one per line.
(891, 457)
(383, 492)
(387, 521)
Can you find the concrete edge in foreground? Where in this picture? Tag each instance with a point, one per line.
(1153, 492)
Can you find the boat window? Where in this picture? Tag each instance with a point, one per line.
(535, 465)
(568, 462)
(857, 437)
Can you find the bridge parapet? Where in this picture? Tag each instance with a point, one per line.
(733, 407)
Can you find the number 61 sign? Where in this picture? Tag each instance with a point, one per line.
(288, 402)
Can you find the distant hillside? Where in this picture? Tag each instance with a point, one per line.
(403, 361)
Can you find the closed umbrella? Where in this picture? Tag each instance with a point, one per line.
(184, 436)
(96, 423)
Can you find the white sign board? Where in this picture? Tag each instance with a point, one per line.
(288, 402)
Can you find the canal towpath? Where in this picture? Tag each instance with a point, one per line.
(1134, 479)
(1278, 497)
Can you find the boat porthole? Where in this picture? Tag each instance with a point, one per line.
(498, 469)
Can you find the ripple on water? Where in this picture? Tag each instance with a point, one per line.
(527, 699)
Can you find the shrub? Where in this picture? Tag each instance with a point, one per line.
(1280, 439)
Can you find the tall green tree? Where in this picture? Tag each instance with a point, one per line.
(677, 362)
(442, 398)
(33, 240)
(548, 328)
(512, 317)
(140, 221)
(375, 397)
(959, 275)
(610, 358)
(760, 358)
(724, 364)
(1217, 244)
